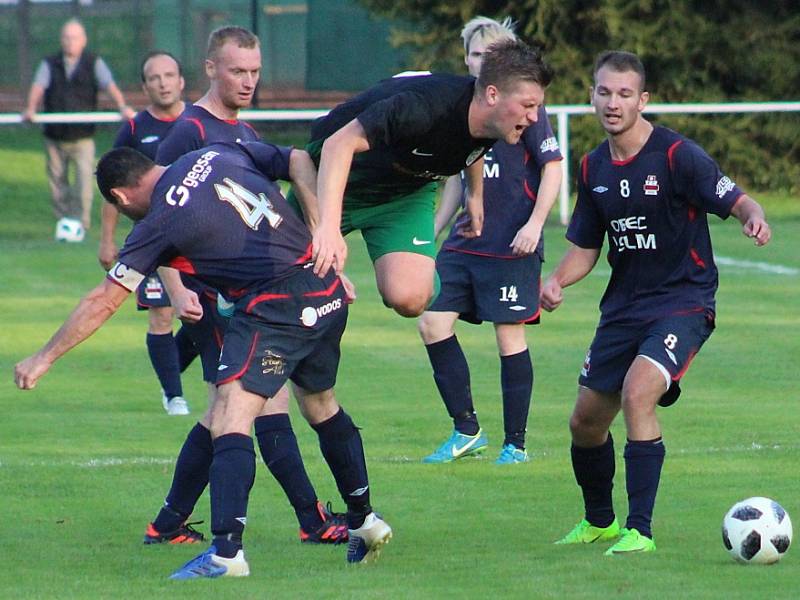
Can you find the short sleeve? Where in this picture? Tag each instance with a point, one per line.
(698, 178)
(184, 137)
(271, 160)
(540, 141)
(102, 74)
(42, 75)
(586, 228)
(394, 119)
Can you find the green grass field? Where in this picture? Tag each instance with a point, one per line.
(86, 458)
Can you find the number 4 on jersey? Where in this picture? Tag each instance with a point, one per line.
(250, 207)
(508, 293)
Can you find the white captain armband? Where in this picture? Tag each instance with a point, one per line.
(125, 276)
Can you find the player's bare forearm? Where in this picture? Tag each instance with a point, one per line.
(303, 174)
(35, 96)
(527, 238)
(448, 204)
(109, 217)
(116, 94)
(473, 176)
(576, 264)
(754, 222)
(90, 314)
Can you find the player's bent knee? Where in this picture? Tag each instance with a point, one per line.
(408, 305)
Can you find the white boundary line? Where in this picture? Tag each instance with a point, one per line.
(756, 266)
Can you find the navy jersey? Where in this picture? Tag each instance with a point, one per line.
(417, 128)
(144, 133)
(197, 128)
(218, 215)
(511, 177)
(653, 209)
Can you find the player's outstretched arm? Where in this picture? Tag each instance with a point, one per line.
(94, 310)
(303, 175)
(329, 247)
(576, 264)
(527, 238)
(473, 176)
(754, 222)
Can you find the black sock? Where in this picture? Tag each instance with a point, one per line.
(643, 462)
(341, 446)
(187, 351)
(451, 374)
(164, 358)
(231, 476)
(188, 480)
(280, 453)
(516, 380)
(594, 471)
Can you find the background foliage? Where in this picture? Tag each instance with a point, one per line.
(694, 51)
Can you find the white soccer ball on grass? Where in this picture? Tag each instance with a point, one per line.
(757, 531)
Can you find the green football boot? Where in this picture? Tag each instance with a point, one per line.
(586, 533)
(630, 542)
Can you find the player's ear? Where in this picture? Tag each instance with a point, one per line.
(211, 68)
(183, 82)
(644, 98)
(491, 94)
(591, 94)
(120, 196)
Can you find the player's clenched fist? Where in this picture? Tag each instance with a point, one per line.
(28, 371)
(551, 295)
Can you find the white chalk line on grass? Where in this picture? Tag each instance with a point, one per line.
(110, 462)
(734, 264)
(753, 447)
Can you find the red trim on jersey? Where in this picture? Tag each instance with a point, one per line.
(585, 169)
(696, 258)
(689, 311)
(265, 298)
(331, 288)
(210, 295)
(306, 257)
(685, 367)
(231, 121)
(528, 191)
(183, 265)
(671, 152)
(627, 161)
(526, 158)
(235, 293)
(132, 123)
(241, 371)
(692, 212)
(199, 124)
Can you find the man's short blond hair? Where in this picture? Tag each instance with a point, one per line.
(243, 38)
(488, 30)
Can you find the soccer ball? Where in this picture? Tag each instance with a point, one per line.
(757, 530)
(69, 230)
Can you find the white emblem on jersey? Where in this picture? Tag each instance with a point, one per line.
(724, 186)
(150, 139)
(417, 242)
(475, 155)
(308, 317)
(549, 145)
(125, 276)
(517, 307)
(222, 367)
(600, 189)
(418, 152)
(651, 186)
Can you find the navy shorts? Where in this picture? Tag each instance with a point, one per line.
(488, 288)
(670, 343)
(151, 293)
(289, 331)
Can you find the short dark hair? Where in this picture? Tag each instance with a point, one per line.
(153, 53)
(508, 61)
(243, 38)
(620, 61)
(120, 168)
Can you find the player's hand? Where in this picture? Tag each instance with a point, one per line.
(526, 240)
(473, 227)
(127, 112)
(758, 229)
(328, 250)
(349, 289)
(108, 254)
(187, 306)
(28, 115)
(28, 371)
(551, 295)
